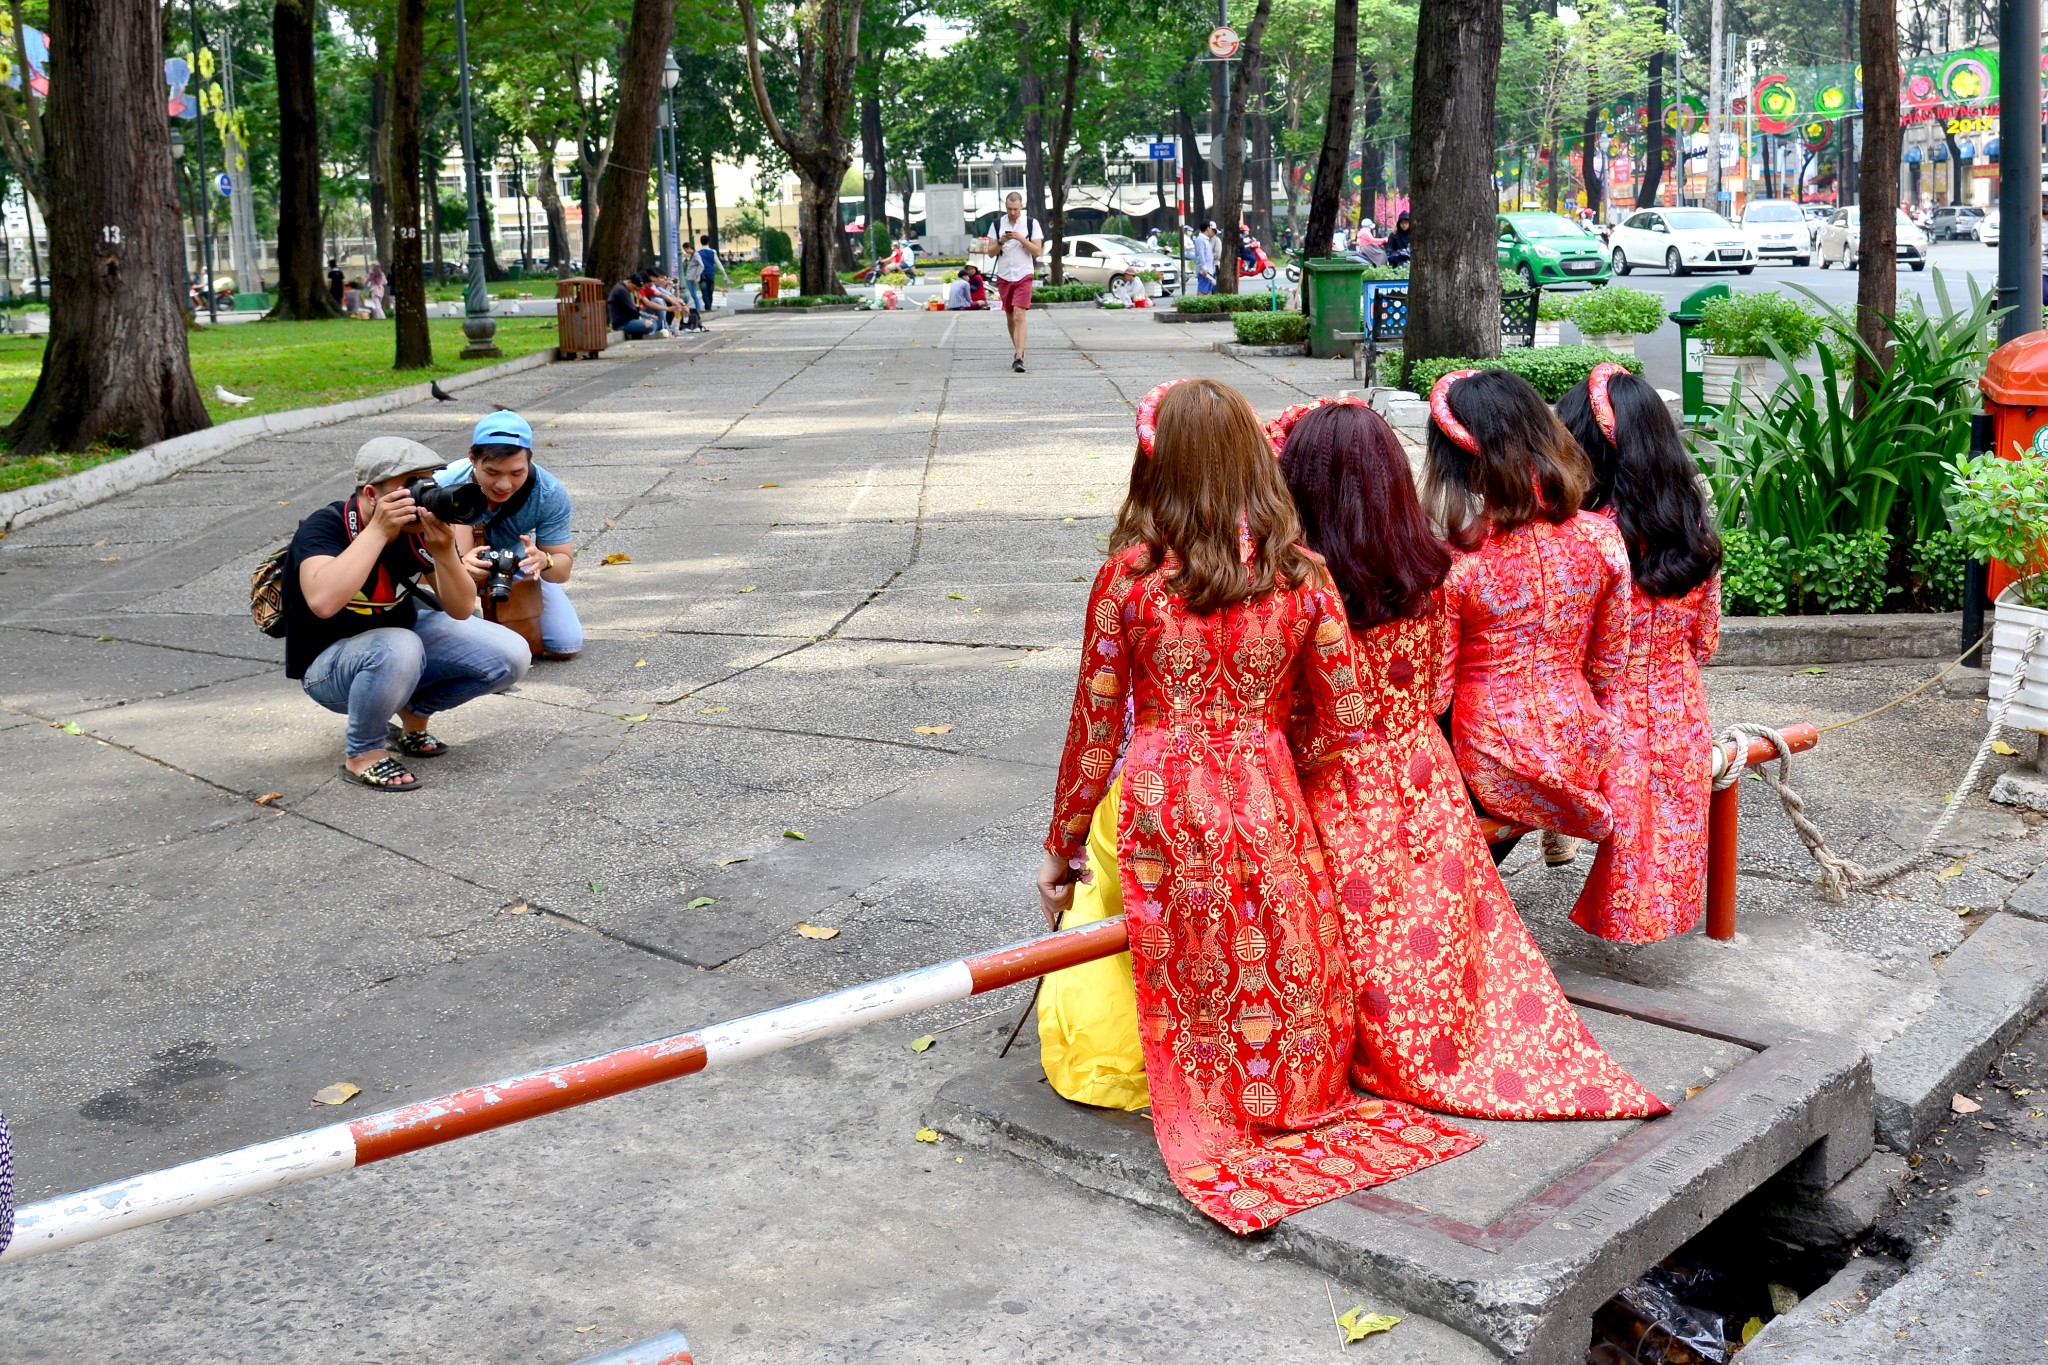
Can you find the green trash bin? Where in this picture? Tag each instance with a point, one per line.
(1692, 353)
(1334, 292)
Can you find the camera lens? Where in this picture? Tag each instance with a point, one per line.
(464, 502)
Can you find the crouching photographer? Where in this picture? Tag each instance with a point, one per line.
(518, 548)
(366, 636)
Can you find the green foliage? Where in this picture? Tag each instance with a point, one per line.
(1751, 584)
(1999, 509)
(895, 278)
(879, 243)
(1271, 329)
(1223, 303)
(1511, 282)
(1836, 575)
(1065, 293)
(1760, 323)
(1617, 308)
(1553, 307)
(1552, 370)
(805, 300)
(776, 246)
(1395, 272)
(1937, 563)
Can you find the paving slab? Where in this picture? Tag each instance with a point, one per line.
(1517, 1242)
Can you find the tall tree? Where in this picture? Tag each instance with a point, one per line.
(1230, 204)
(622, 209)
(1653, 174)
(301, 268)
(1031, 94)
(115, 368)
(1326, 191)
(1055, 226)
(415, 345)
(827, 35)
(1877, 172)
(1454, 282)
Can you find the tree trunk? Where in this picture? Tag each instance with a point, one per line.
(430, 202)
(818, 220)
(829, 31)
(1262, 159)
(380, 158)
(1194, 173)
(1055, 226)
(1230, 206)
(1877, 175)
(1588, 145)
(301, 271)
(614, 244)
(415, 346)
(1031, 93)
(1653, 178)
(875, 176)
(487, 215)
(551, 201)
(711, 199)
(1454, 282)
(1328, 188)
(115, 368)
(1369, 150)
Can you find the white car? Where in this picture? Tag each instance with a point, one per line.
(1109, 259)
(1987, 227)
(1841, 240)
(1680, 241)
(1776, 231)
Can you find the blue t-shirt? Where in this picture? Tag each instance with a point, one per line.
(544, 515)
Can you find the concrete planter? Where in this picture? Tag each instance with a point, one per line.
(1718, 374)
(1780, 641)
(1621, 343)
(1175, 315)
(1243, 349)
(2014, 622)
(770, 310)
(1549, 333)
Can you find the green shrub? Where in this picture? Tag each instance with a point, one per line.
(1511, 282)
(1998, 508)
(1760, 323)
(804, 300)
(895, 278)
(1617, 308)
(1552, 370)
(1751, 582)
(1271, 329)
(1065, 293)
(879, 242)
(1386, 272)
(1553, 307)
(1842, 574)
(776, 247)
(1223, 303)
(1937, 563)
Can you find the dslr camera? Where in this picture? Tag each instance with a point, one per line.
(504, 568)
(464, 503)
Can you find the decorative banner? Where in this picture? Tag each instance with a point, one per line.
(1966, 77)
(1816, 135)
(1777, 104)
(1684, 116)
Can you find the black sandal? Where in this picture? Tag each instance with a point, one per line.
(383, 776)
(415, 743)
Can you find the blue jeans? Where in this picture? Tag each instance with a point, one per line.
(561, 632)
(1205, 284)
(638, 327)
(439, 663)
(704, 292)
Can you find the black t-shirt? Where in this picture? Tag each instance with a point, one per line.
(621, 305)
(335, 280)
(385, 599)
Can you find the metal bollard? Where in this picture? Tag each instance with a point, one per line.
(1723, 815)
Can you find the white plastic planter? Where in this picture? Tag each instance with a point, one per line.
(1621, 343)
(1549, 333)
(1718, 374)
(2015, 621)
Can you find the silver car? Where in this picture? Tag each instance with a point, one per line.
(1106, 258)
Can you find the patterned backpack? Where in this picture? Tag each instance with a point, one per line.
(266, 592)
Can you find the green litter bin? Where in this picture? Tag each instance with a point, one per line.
(1692, 353)
(1334, 291)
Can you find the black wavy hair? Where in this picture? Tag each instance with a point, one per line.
(1356, 495)
(1650, 482)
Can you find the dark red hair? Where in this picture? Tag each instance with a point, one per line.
(1352, 486)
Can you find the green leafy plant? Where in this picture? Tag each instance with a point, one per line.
(896, 278)
(1065, 293)
(1999, 509)
(1617, 308)
(1553, 307)
(1761, 323)
(1223, 303)
(806, 301)
(1151, 276)
(1511, 282)
(1836, 574)
(1271, 329)
(1552, 370)
(1937, 562)
(1751, 584)
(879, 244)
(776, 246)
(1399, 272)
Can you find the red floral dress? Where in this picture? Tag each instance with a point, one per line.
(1538, 619)
(1457, 1010)
(1244, 1007)
(1649, 880)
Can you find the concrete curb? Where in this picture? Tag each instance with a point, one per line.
(779, 310)
(151, 464)
(1991, 989)
(1176, 316)
(1244, 350)
(1773, 641)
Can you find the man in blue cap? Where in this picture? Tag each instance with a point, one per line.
(527, 517)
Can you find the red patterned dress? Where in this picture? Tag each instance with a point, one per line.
(1244, 1007)
(1538, 619)
(1457, 1010)
(1649, 880)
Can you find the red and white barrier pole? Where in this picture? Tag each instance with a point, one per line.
(87, 1215)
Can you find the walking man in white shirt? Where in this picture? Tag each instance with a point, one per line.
(1205, 259)
(1015, 242)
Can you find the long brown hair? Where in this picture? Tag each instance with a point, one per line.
(1210, 479)
(1527, 465)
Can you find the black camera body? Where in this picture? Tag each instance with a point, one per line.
(464, 503)
(504, 568)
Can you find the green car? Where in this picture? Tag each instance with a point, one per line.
(1549, 248)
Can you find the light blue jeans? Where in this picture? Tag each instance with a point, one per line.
(438, 664)
(561, 632)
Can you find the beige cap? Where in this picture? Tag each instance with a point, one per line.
(387, 457)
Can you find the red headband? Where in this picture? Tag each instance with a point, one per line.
(1277, 429)
(1148, 415)
(1596, 390)
(1446, 420)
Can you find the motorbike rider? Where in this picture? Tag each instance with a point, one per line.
(1397, 245)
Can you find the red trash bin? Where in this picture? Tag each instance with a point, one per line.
(580, 319)
(771, 282)
(2015, 386)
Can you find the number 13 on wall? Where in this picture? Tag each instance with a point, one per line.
(111, 234)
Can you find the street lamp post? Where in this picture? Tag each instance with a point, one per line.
(671, 246)
(477, 323)
(178, 197)
(205, 214)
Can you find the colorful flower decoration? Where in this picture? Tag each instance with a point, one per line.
(1446, 420)
(1148, 415)
(1277, 429)
(1596, 390)
(1965, 80)
(1777, 104)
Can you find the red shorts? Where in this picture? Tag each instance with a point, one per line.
(1014, 293)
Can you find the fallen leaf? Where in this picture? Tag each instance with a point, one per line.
(700, 903)
(610, 522)
(269, 797)
(1810, 672)
(929, 1135)
(1750, 1329)
(815, 930)
(515, 908)
(714, 478)
(551, 443)
(957, 597)
(1359, 1324)
(72, 727)
(728, 862)
(1950, 872)
(2003, 750)
(933, 729)
(1783, 1299)
(793, 834)
(341, 1092)
(1078, 578)
(771, 485)
(751, 587)
(640, 663)
(1963, 1104)
(634, 720)
(103, 639)
(110, 559)
(593, 1326)
(714, 710)
(616, 559)
(1692, 1090)
(597, 887)
(922, 1044)
(1983, 1193)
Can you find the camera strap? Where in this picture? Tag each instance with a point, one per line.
(383, 586)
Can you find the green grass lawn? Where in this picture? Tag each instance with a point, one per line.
(280, 365)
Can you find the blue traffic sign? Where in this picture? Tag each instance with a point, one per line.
(225, 183)
(1162, 151)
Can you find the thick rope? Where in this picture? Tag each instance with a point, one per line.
(1838, 875)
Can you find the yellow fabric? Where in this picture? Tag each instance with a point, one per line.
(1088, 1015)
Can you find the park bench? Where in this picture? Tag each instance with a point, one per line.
(1388, 324)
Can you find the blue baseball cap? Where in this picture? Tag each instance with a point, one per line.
(502, 428)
